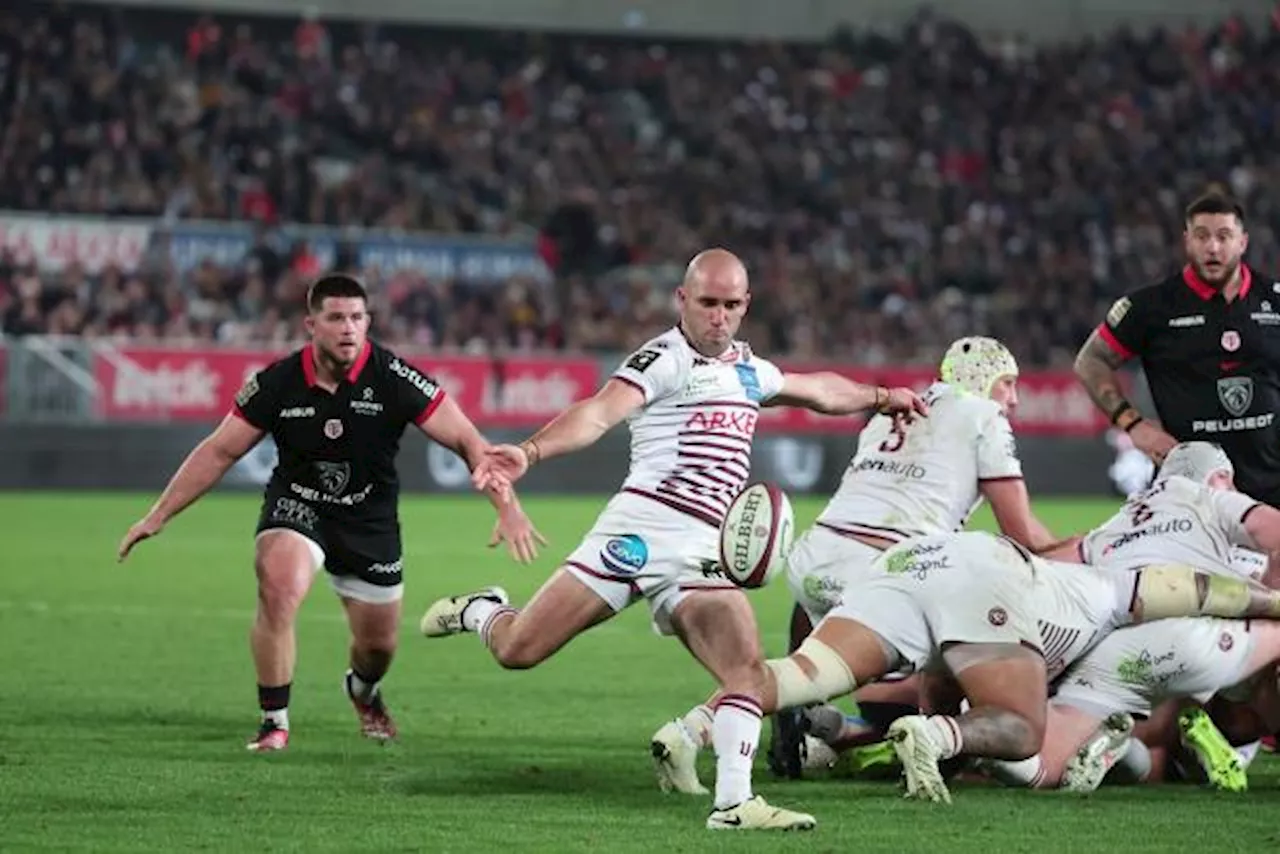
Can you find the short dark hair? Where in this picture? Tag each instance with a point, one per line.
(334, 285)
(1215, 202)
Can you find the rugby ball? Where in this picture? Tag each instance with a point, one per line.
(755, 536)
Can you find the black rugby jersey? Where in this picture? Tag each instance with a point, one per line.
(1213, 366)
(338, 451)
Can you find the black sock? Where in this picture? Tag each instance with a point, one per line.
(274, 702)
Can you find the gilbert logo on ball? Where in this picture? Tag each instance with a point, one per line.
(756, 534)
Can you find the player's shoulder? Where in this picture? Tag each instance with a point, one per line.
(389, 366)
(284, 369)
(671, 348)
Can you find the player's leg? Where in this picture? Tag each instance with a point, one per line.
(285, 562)
(1160, 592)
(373, 615)
(1006, 687)
(571, 601)
(719, 628)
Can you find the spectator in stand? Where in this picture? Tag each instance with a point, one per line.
(889, 192)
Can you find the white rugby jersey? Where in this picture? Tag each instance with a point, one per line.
(691, 441)
(1175, 520)
(1076, 607)
(923, 478)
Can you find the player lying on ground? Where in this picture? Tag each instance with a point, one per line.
(1132, 672)
(336, 409)
(1192, 516)
(1001, 622)
(691, 397)
(905, 480)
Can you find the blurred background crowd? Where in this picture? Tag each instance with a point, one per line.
(889, 191)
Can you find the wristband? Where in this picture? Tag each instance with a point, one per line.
(1120, 409)
(532, 452)
(1128, 419)
(879, 404)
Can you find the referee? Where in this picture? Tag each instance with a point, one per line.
(1208, 339)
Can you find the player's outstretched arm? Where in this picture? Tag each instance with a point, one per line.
(199, 472)
(1262, 528)
(831, 394)
(449, 426)
(577, 427)
(1097, 365)
(1012, 508)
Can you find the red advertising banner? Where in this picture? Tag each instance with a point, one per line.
(140, 384)
(1050, 403)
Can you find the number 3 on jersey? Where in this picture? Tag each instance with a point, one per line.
(897, 436)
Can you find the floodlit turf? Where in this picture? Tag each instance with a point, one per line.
(127, 696)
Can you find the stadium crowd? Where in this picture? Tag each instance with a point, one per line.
(890, 191)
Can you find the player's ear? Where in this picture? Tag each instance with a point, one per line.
(682, 296)
(309, 323)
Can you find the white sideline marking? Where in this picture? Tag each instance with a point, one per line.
(238, 614)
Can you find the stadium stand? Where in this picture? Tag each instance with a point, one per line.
(890, 191)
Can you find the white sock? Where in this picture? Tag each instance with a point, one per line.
(735, 734)
(1248, 752)
(360, 689)
(1026, 773)
(946, 734)
(479, 610)
(697, 723)
(1134, 763)
(279, 717)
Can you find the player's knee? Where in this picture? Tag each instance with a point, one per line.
(814, 673)
(750, 678)
(513, 652)
(281, 590)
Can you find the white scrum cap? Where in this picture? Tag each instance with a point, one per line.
(1196, 461)
(976, 363)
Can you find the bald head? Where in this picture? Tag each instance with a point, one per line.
(713, 299)
(715, 266)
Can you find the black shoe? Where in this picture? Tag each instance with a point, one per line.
(786, 744)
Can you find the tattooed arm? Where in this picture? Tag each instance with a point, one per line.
(1097, 365)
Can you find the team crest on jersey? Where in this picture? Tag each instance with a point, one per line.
(1236, 394)
(750, 381)
(333, 477)
(625, 555)
(333, 428)
(1231, 341)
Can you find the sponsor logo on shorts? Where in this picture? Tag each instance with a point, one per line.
(997, 616)
(395, 567)
(1149, 670)
(308, 493)
(917, 561)
(625, 555)
(823, 590)
(294, 512)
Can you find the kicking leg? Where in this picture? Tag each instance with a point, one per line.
(564, 607)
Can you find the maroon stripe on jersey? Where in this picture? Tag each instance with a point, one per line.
(714, 506)
(870, 530)
(999, 479)
(430, 407)
(721, 483)
(635, 385)
(681, 451)
(690, 442)
(700, 515)
(1252, 507)
(736, 404)
(714, 434)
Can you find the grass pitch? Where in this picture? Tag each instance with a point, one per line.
(127, 694)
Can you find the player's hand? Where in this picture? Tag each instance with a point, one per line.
(499, 468)
(514, 528)
(141, 530)
(1152, 441)
(904, 402)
